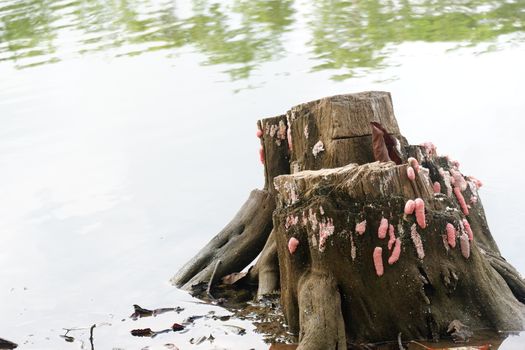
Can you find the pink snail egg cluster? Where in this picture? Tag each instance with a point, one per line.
(261, 155)
(420, 213)
(461, 200)
(378, 260)
(411, 174)
(410, 206)
(464, 244)
(395, 253)
(414, 164)
(391, 236)
(360, 228)
(292, 245)
(470, 234)
(451, 235)
(383, 227)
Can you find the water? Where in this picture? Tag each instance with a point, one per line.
(127, 136)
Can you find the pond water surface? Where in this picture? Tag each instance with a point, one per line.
(128, 137)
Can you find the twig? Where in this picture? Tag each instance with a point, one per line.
(399, 342)
(422, 345)
(91, 336)
(211, 280)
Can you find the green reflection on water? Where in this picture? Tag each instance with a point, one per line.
(346, 36)
(349, 35)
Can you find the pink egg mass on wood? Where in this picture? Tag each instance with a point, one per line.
(461, 200)
(420, 213)
(259, 133)
(292, 245)
(414, 163)
(378, 260)
(394, 257)
(464, 245)
(391, 236)
(411, 174)
(451, 235)
(437, 187)
(261, 155)
(410, 206)
(470, 234)
(360, 228)
(383, 227)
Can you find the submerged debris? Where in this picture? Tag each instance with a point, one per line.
(146, 332)
(141, 312)
(410, 206)
(459, 332)
(6, 344)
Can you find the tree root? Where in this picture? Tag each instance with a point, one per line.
(236, 245)
(265, 273)
(321, 319)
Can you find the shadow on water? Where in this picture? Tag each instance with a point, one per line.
(345, 36)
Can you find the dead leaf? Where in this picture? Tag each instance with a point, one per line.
(233, 278)
(146, 332)
(390, 142)
(177, 327)
(378, 145)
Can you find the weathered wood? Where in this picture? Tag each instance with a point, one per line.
(335, 131)
(322, 324)
(418, 296)
(265, 273)
(236, 245)
(274, 141)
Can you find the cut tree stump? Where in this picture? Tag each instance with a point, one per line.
(363, 250)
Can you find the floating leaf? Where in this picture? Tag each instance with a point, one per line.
(177, 327)
(146, 332)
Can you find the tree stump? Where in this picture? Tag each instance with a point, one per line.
(362, 250)
(433, 280)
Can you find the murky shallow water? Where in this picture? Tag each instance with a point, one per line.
(127, 137)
